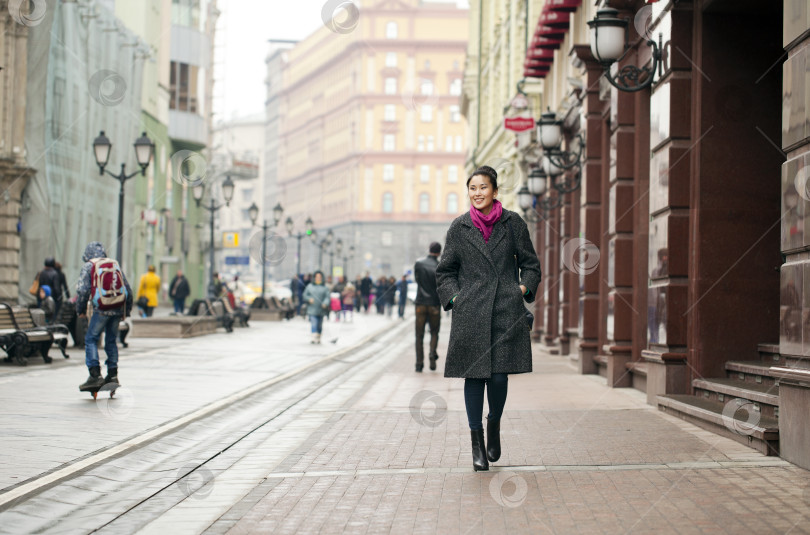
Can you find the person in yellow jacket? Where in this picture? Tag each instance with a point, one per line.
(148, 291)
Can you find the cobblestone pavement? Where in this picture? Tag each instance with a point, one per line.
(369, 446)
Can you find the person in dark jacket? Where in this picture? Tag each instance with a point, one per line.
(102, 321)
(51, 277)
(427, 305)
(365, 291)
(379, 294)
(402, 288)
(476, 279)
(65, 289)
(179, 290)
(390, 296)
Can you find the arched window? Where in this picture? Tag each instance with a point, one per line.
(424, 203)
(391, 30)
(388, 202)
(452, 203)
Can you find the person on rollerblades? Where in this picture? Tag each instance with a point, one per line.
(103, 293)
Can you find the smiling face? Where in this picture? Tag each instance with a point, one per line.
(481, 193)
(318, 278)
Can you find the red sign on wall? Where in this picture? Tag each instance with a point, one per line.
(518, 124)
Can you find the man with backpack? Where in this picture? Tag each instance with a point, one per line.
(103, 291)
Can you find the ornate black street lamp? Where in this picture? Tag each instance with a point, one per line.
(609, 44)
(308, 231)
(227, 193)
(144, 149)
(253, 212)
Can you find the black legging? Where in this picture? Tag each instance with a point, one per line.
(474, 398)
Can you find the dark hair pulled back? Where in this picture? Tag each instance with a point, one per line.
(486, 171)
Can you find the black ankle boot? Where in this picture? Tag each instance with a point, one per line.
(479, 450)
(95, 380)
(493, 440)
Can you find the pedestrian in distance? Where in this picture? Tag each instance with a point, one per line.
(215, 287)
(427, 305)
(379, 295)
(489, 338)
(316, 295)
(402, 288)
(366, 285)
(104, 294)
(47, 303)
(63, 281)
(179, 290)
(149, 288)
(302, 305)
(349, 296)
(390, 296)
(49, 276)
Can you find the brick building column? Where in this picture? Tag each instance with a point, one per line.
(617, 241)
(14, 172)
(590, 212)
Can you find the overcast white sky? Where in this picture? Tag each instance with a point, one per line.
(243, 31)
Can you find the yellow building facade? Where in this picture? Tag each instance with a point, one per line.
(371, 136)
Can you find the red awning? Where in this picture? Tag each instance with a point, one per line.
(534, 73)
(546, 42)
(540, 53)
(537, 63)
(554, 19)
(548, 31)
(563, 5)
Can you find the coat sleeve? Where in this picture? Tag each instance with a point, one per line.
(83, 288)
(447, 270)
(530, 274)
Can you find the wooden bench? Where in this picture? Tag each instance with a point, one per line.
(204, 307)
(59, 333)
(239, 315)
(19, 344)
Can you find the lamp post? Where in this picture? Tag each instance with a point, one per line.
(337, 250)
(144, 148)
(346, 261)
(608, 45)
(324, 245)
(307, 232)
(253, 211)
(227, 193)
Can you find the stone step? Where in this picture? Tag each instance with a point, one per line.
(728, 420)
(764, 397)
(750, 371)
(769, 354)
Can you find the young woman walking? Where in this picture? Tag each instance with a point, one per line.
(489, 338)
(316, 297)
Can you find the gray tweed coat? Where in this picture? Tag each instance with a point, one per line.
(488, 333)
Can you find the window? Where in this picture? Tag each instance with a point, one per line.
(247, 194)
(452, 174)
(426, 86)
(390, 86)
(391, 30)
(188, 13)
(389, 142)
(387, 238)
(427, 64)
(455, 114)
(183, 86)
(452, 203)
(420, 143)
(388, 203)
(455, 65)
(430, 145)
(424, 173)
(455, 87)
(458, 144)
(424, 203)
(390, 112)
(391, 59)
(388, 172)
(427, 113)
(448, 144)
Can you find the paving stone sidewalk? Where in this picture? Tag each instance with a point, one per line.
(578, 457)
(45, 419)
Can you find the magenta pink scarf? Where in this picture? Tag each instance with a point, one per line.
(484, 223)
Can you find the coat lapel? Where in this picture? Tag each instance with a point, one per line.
(474, 236)
(499, 231)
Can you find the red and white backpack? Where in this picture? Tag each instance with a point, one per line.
(107, 290)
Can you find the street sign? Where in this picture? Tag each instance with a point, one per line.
(230, 239)
(518, 124)
(237, 260)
